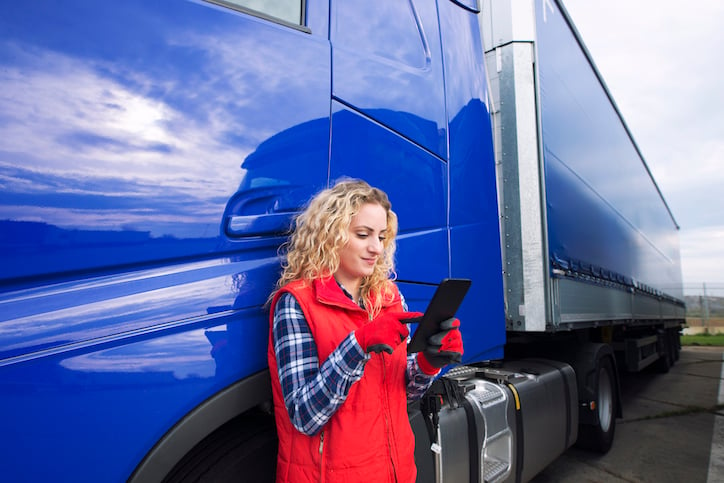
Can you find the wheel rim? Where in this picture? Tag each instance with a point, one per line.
(605, 400)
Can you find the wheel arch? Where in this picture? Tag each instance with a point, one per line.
(208, 416)
(586, 362)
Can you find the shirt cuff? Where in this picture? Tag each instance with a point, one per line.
(425, 365)
(352, 358)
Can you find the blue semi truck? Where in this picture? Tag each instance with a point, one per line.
(153, 156)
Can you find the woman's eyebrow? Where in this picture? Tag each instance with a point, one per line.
(368, 228)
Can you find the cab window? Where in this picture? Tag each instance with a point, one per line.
(288, 11)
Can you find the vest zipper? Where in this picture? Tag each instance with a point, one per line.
(321, 457)
(388, 418)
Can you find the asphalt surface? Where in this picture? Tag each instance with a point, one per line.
(672, 429)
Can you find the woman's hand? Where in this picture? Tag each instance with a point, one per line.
(443, 348)
(385, 332)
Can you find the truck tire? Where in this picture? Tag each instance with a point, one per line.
(599, 436)
(244, 449)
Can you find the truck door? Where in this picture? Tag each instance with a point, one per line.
(388, 122)
(474, 230)
(151, 155)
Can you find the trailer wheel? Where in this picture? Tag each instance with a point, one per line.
(244, 449)
(676, 341)
(599, 436)
(668, 357)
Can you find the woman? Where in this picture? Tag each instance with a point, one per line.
(341, 375)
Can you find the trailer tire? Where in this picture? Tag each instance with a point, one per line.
(668, 357)
(244, 449)
(599, 436)
(676, 341)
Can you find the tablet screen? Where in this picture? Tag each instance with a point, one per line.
(448, 297)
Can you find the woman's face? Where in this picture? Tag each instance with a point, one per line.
(357, 258)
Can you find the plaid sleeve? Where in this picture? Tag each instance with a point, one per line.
(417, 381)
(312, 394)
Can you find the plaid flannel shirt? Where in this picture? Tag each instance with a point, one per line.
(313, 393)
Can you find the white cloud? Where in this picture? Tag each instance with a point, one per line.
(702, 258)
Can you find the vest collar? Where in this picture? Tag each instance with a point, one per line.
(328, 291)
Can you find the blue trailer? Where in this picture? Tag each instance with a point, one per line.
(154, 154)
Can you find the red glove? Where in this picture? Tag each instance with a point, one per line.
(385, 332)
(443, 348)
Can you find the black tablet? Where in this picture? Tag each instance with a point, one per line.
(448, 297)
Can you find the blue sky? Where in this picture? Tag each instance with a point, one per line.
(661, 62)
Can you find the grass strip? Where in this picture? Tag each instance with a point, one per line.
(711, 340)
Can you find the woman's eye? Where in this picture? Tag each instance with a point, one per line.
(362, 235)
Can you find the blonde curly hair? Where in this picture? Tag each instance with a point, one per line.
(322, 229)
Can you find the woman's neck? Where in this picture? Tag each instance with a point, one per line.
(353, 287)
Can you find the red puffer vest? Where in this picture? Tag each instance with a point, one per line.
(369, 437)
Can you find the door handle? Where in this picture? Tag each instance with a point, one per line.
(242, 226)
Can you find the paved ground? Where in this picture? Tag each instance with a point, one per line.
(672, 429)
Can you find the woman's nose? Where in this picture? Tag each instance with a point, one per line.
(375, 245)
